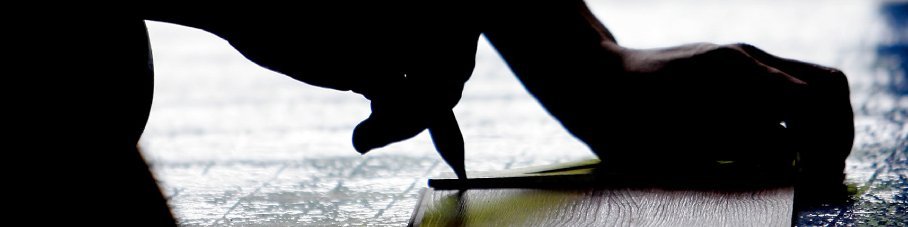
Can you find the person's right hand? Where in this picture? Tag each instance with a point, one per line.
(676, 108)
(726, 102)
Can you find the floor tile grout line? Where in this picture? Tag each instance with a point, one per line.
(395, 199)
(359, 167)
(207, 167)
(256, 191)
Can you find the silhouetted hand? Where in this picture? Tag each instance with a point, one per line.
(413, 74)
(679, 108)
(729, 101)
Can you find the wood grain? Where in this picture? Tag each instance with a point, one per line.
(582, 193)
(604, 207)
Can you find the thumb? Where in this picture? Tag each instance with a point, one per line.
(389, 122)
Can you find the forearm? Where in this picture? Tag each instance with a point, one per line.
(558, 39)
(562, 55)
(315, 45)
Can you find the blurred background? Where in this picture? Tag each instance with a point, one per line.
(232, 143)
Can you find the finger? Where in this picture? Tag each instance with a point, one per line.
(807, 72)
(441, 61)
(434, 83)
(824, 120)
(449, 141)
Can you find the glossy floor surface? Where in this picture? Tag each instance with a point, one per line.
(235, 144)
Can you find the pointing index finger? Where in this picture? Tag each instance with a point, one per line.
(449, 141)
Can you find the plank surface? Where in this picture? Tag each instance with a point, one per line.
(604, 207)
(584, 193)
(590, 173)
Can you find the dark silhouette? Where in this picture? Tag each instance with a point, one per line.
(680, 108)
(409, 60)
(706, 97)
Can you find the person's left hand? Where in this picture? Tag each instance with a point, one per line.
(413, 75)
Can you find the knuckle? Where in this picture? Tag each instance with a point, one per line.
(724, 53)
(697, 48)
(705, 46)
(830, 78)
(837, 74)
(726, 49)
(742, 45)
(837, 78)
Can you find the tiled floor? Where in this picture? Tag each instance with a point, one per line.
(235, 144)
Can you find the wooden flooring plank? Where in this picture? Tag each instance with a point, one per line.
(604, 207)
(579, 194)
